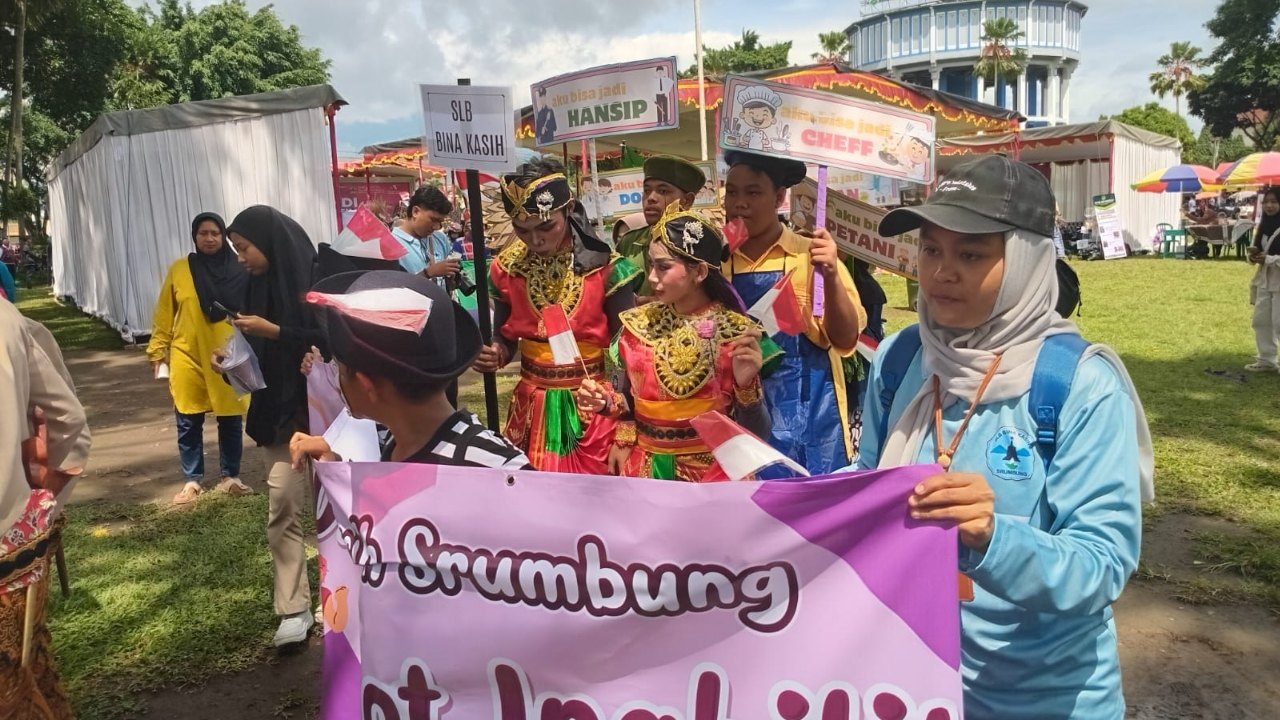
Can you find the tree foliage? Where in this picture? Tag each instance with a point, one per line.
(1158, 119)
(1242, 92)
(1177, 74)
(744, 55)
(999, 58)
(833, 46)
(86, 57)
(1211, 151)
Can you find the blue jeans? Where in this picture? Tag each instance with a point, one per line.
(191, 444)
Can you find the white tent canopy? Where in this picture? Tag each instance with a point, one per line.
(122, 196)
(1087, 160)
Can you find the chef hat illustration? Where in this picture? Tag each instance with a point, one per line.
(757, 96)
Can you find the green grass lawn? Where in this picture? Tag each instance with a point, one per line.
(163, 598)
(73, 329)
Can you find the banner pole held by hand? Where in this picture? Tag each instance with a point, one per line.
(820, 221)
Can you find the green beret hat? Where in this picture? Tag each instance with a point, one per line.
(681, 173)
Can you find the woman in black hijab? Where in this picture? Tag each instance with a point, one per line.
(282, 265)
(186, 329)
(1264, 290)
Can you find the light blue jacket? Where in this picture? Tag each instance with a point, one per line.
(1038, 639)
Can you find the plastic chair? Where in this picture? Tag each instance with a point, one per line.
(1174, 244)
(1158, 240)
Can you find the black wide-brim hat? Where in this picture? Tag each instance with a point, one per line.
(446, 347)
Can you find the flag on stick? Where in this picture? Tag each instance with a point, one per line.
(366, 237)
(564, 346)
(867, 347)
(778, 310)
(741, 455)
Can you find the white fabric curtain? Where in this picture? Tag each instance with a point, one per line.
(1074, 185)
(121, 213)
(1142, 212)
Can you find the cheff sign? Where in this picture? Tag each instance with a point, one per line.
(827, 129)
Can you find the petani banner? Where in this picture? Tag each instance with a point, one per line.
(470, 593)
(855, 226)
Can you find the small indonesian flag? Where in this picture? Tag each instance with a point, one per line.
(564, 347)
(735, 233)
(366, 237)
(867, 347)
(778, 310)
(396, 308)
(741, 455)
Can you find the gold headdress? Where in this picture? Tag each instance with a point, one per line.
(540, 197)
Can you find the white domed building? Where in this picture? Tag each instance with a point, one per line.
(935, 43)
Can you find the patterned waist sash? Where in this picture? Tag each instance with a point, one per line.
(537, 365)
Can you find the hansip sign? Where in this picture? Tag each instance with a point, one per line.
(606, 100)
(469, 127)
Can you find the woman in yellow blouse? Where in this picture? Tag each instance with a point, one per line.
(188, 327)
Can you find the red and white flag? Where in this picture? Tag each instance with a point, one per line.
(396, 308)
(778, 310)
(366, 237)
(867, 347)
(564, 346)
(735, 233)
(741, 455)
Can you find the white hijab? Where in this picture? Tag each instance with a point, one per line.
(1022, 318)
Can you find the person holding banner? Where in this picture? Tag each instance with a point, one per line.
(556, 260)
(394, 366)
(806, 395)
(691, 351)
(281, 262)
(1046, 492)
(666, 180)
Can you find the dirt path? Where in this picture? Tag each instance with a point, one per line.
(1209, 662)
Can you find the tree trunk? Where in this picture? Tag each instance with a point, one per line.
(14, 171)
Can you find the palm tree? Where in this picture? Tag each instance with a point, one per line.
(834, 47)
(1177, 75)
(998, 59)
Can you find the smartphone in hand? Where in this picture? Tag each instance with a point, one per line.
(230, 313)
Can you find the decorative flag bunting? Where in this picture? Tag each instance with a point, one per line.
(564, 347)
(778, 310)
(396, 308)
(366, 237)
(741, 454)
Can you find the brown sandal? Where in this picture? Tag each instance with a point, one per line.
(233, 487)
(188, 494)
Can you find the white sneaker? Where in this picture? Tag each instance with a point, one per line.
(1260, 366)
(294, 629)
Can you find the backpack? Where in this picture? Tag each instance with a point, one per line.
(1050, 382)
(1068, 289)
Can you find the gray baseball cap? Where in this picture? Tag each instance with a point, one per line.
(989, 194)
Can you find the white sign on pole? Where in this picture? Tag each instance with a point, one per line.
(469, 127)
(827, 129)
(1110, 232)
(621, 192)
(607, 100)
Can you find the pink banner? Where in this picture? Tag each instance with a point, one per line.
(469, 593)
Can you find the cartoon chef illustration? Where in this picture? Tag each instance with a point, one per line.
(759, 112)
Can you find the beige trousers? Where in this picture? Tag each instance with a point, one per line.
(288, 496)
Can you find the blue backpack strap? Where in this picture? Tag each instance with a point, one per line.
(1050, 385)
(893, 368)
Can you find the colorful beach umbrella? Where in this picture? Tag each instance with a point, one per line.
(1179, 179)
(1251, 170)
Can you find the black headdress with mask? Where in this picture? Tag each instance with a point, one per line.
(218, 277)
(542, 198)
(693, 237)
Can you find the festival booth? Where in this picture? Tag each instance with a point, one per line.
(122, 195)
(1084, 161)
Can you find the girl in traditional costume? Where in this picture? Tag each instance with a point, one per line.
(556, 260)
(690, 352)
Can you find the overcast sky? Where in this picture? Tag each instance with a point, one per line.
(382, 48)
